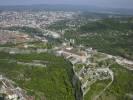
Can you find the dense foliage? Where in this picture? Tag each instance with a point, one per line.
(51, 83)
(113, 36)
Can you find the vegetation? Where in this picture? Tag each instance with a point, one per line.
(119, 89)
(59, 25)
(25, 29)
(120, 24)
(78, 67)
(122, 84)
(95, 89)
(39, 44)
(7, 45)
(52, 82)
(113, 36)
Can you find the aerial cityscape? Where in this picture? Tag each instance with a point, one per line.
(66, 51)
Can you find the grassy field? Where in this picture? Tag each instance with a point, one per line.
(120, 88)
(95, 89)
(122, 85)
(52, 82)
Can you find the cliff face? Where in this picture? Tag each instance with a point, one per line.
(77, 86)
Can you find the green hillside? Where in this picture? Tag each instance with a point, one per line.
(52, 82)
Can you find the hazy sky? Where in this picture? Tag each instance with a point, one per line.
(99, 3)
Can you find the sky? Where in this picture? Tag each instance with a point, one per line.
(98, 3)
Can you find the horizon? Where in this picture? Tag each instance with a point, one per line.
(126, 4)
(72, 5)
